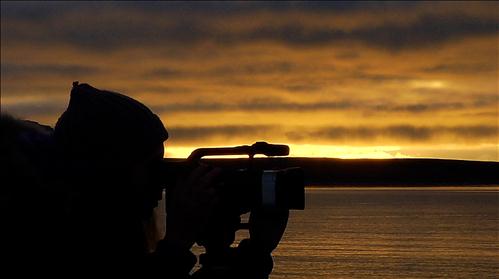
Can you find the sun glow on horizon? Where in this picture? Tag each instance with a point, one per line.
(345, 152)
(313, 151)
(351, 81)
(446, 151)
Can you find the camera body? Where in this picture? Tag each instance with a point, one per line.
(253, 187)
(247, 186)
(265, 191)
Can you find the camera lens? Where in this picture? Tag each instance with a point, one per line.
(289, 188)
(282, 188)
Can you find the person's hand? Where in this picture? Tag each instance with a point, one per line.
(266, 228)
(190, 205)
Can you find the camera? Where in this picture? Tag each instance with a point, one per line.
(253, 185)
(245, 184)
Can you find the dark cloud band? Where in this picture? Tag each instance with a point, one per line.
(118, 32)
(270, 105)
(44, 70)
(337, 134)
(399, 132)
(276, 105)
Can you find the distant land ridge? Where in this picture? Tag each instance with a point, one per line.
(379, 172)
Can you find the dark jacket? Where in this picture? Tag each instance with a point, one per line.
(53, 223)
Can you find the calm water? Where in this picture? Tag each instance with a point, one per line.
(386, 233)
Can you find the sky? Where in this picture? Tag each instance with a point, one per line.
(330, 79)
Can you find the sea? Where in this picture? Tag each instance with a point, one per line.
(424, 232)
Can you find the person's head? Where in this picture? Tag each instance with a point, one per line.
(110, 142)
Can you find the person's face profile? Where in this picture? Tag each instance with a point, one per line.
(147, 172)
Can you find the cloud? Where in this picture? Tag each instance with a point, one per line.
(33, 109)
(190, 107)
(164, 73)
(232, 69)
(336, 134)
(302, 87)
(275, 67)
(135, 25)
(9, 70)
(199, 134)
(36, 11)
(165, 89)
(365, 65)
(358, 75)
(347, 55)
(405, 133)
(427, 31)
(254, 105)
(419, 108)
(21, 88)
(462, 68)
(275, 104)
(263, 105)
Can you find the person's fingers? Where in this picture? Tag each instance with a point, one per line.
(208, 180)
(189, 186)
(197, 173)
(267, 226)
(211, 203)
(196, 198)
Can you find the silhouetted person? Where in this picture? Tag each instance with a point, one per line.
(31, 199)
(112, 145)
(99, 181)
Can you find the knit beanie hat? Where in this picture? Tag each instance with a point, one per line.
(106, 128)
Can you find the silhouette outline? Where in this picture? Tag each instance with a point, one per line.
(98, 171)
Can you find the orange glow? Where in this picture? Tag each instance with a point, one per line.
(353, 83)
(310, 150)
(318, 151)
(344, 152)
(368, 152)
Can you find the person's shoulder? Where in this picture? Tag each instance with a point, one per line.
(13, 127)
(25, 143)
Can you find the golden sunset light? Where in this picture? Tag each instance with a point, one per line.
(251, 139)
(358, 80)
(319, 151)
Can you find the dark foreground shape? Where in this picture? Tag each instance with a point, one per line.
(386, 172)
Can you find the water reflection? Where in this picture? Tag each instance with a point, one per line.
(392, 233)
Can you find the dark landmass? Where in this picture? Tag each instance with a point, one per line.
(380, 172)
